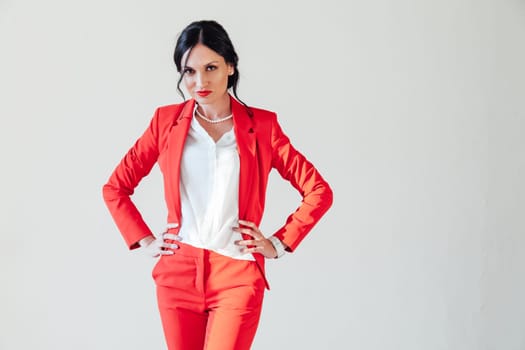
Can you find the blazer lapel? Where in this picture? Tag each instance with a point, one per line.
(246, 136)
(176, 140)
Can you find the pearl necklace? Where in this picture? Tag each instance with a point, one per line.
(212, 121)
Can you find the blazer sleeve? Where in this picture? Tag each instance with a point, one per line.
(316, 194)
(136, 164)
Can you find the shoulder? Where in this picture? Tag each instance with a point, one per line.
(167, 110)
(263, 117)
(166, 114)
(256, 114)
(263, 113)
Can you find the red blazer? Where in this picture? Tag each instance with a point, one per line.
(261, 144)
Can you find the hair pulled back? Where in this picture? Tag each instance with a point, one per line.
(212, 35)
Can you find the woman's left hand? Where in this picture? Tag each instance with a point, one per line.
(259, 243)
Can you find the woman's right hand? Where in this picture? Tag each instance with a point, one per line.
(156, 247)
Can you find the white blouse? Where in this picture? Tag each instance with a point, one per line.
(209, 192)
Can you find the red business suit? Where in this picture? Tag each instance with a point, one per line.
(262, 146)
(224, 312)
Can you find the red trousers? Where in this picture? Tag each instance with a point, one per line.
(207, 300)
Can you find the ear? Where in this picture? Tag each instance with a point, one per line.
(231, 69)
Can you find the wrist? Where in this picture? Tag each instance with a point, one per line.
(146, 241)
(278, 245)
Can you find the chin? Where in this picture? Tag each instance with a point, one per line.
(202, 100)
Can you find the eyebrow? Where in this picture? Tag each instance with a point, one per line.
(207, 64)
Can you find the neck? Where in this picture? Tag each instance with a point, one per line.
(217, 109)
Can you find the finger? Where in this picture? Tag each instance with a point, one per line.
(245, 230)
(246, 242)
(253, 250)
(171, 236)
(166, 252)
(170, 246)
(249, 224)
(249, 232)
(172, 225)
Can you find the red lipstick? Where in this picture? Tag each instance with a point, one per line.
(203, 93)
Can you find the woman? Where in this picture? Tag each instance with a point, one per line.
(215, 154)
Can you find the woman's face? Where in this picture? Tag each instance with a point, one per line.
(205, 74)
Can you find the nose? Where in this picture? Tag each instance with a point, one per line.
(200, 79)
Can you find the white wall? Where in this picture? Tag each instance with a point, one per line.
(413, 110)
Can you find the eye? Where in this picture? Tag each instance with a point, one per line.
(211, 67)
(188, 71)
